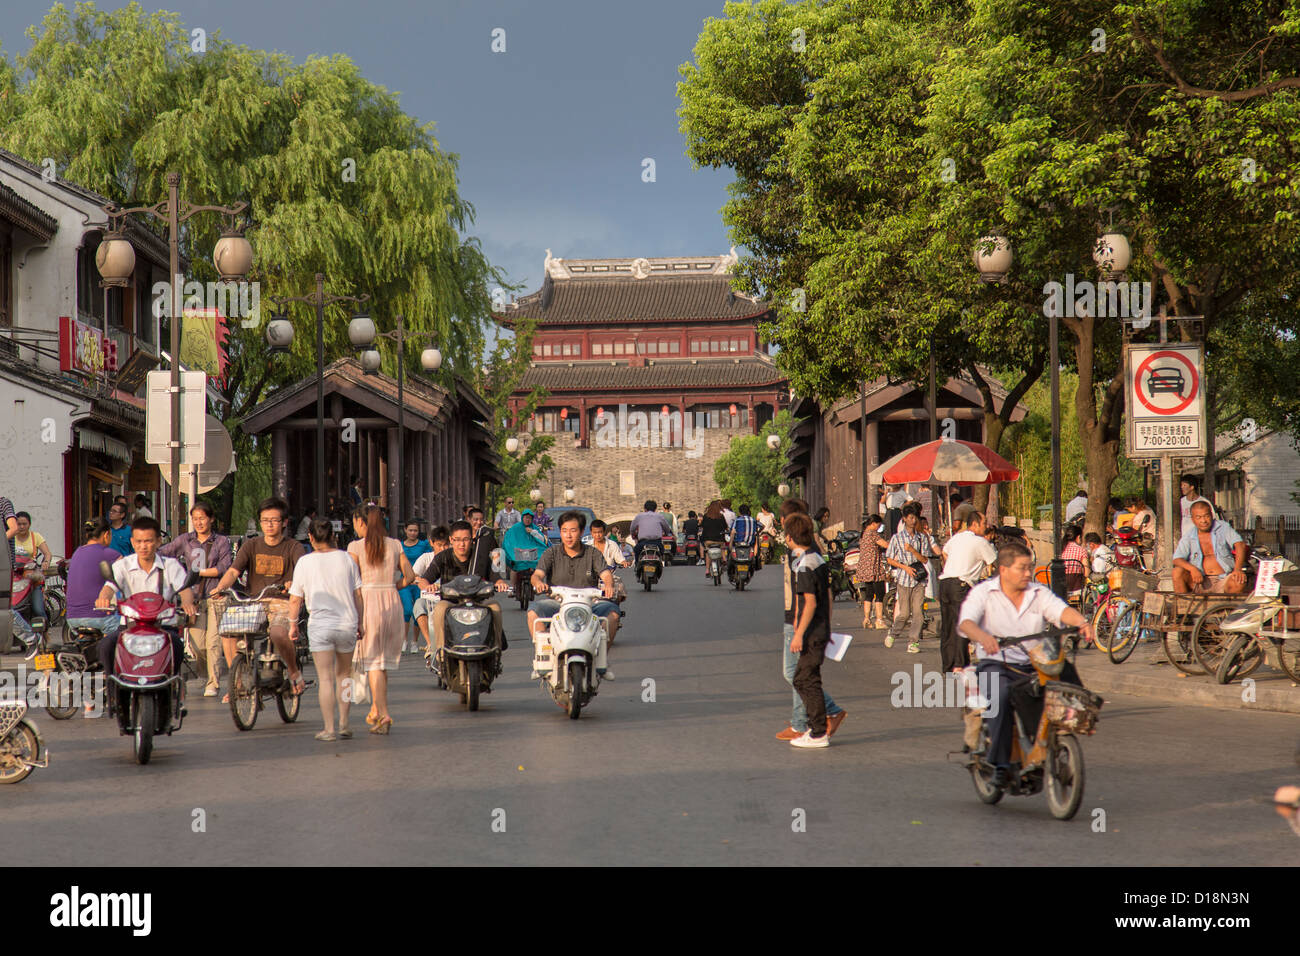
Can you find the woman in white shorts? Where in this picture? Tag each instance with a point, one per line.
(328, 581)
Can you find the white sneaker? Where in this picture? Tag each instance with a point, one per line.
(808, 741)
(608, 675)
(889, 640)
(209, 692)
(914, 648)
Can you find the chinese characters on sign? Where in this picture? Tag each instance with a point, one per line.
(1174, 435)
(1165, 400)
(83, 348)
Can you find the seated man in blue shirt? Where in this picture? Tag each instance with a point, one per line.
(649, 527)
(1207, 550)
(744, 534)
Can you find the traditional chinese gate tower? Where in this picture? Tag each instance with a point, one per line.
(662, 341)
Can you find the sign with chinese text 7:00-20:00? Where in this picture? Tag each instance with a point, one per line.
(1165, 394)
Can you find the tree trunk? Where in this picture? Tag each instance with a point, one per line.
(994, 427)
(1211, 453)
(1099, 431)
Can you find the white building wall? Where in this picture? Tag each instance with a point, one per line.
(35, 432)
(1272, 467)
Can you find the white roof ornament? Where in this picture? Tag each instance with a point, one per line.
(555, 267)
(641, 268)
(727, 263)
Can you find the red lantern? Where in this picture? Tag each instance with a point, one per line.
(732, 409)
(564, 413)
(600, 412)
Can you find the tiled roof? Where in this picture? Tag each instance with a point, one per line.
(31, 218)
(699, 373)
(617, 300)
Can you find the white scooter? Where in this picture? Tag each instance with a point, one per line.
(569, 650)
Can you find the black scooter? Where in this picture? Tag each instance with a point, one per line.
(471, 656)
(649, 567)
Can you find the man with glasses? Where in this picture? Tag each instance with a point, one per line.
(268, 560)
(506, 517)
(450, 563)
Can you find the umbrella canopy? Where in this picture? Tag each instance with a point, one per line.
(951, 462)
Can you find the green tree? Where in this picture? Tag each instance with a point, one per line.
(338, 179)
(874, 142)
(749, 471)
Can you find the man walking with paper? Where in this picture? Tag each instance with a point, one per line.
(812, 627)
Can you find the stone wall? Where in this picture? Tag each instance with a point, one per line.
(678, 475)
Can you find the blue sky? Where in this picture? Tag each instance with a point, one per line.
(551, 133)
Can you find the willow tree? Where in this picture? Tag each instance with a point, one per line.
(337, 177)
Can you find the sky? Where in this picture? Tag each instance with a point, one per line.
(551, 133)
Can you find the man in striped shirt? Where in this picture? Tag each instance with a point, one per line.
(908, 547)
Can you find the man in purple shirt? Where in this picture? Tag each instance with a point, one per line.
(210, 554)
(649, 527)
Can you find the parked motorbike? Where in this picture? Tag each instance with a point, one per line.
(65, 668)
(1050, 758)
(841, 575)
(470, 658)
(1128, 548)
(569, 650)
(741, 567)
(649, 567)
(22, 749)
(143, 694)
(25, 580)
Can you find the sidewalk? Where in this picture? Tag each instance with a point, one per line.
(1148, 673)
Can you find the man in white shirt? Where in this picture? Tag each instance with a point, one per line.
(728, 513)
(968, 555)
(146, 570)
(1190, 486)
(1011, 605)
(1077, 505)
(507, 516)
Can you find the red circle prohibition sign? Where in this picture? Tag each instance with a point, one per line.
(1144, 367)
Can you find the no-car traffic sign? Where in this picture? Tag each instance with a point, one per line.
(1166, 400)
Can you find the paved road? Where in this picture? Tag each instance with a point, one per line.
(693, 778)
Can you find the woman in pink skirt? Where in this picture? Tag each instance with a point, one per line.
(382, 563)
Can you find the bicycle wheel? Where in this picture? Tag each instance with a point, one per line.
(1126, 633)
(1179, 650)
(1103, 621)
(1288, 652)
(1208, 641)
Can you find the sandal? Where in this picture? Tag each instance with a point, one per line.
(382, 726)
(345, 734)
(327, 736)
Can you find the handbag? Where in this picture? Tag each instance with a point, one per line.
(919, 571)
(359, 690)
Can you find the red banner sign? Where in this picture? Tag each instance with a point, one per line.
(83, 348)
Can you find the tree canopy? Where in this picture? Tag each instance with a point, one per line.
(875, 142)
(338, 178)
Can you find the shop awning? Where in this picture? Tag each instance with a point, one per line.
(92, 440)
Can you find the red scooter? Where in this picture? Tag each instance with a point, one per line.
(1128, 549)
(144, 694)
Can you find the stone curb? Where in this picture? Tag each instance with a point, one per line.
(1105, 678)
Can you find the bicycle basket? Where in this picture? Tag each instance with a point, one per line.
(1070, 708)
(1131, 584)
(243, 619)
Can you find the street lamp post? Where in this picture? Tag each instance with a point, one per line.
(319, 299)
(430, 361)
(116, 262)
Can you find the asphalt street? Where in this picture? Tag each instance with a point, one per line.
(693, 776)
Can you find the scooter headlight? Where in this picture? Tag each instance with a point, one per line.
(577, 618)
(143, 645)
(469, 615)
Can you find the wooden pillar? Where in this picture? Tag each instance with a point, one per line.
(873, 460)
(391, 486)
(582, 425)
(279, 462)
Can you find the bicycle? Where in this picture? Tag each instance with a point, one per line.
(257, 671)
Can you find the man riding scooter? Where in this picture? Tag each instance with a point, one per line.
(146, 570)
(744, 534)
(572, 564)
(460, 558)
